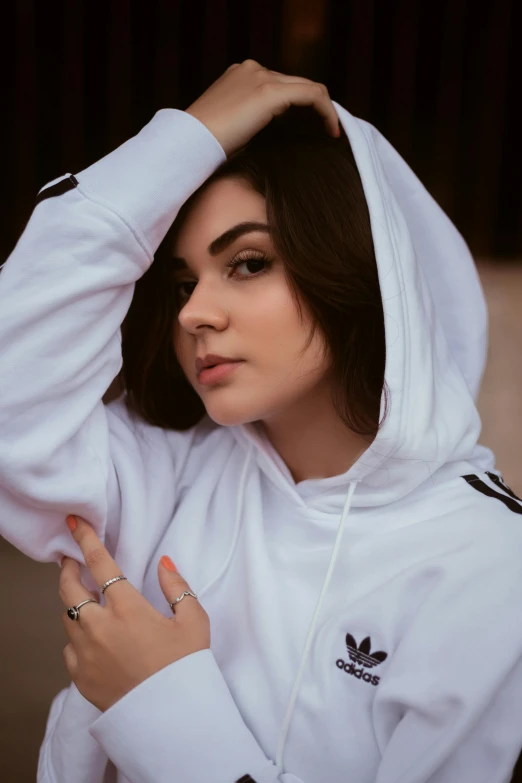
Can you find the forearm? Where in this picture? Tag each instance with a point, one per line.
(64, 293)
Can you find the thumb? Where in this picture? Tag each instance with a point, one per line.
(173, 586)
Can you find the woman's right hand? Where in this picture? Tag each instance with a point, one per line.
(247, 97)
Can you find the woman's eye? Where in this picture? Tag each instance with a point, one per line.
(250, 261)
(179, 289)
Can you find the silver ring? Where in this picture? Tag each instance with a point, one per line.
(183, 594)
(74, 611)
(116, 579)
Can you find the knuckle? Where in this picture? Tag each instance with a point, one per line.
(94, 557)
(179, 585)
(263, 77)
(177, 589)
(62, 589)
(266, 87)
(86, 622)
(125, 604)
(122, 611)
(249, 63)
(94, 630)
(62, 579)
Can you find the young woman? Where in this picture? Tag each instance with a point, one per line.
(348, 590)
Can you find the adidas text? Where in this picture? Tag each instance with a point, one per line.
(359, 674)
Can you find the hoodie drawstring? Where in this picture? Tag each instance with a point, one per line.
(308, 643)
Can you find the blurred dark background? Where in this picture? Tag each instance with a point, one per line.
(441, 80)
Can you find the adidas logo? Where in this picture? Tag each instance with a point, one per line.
(361, 654)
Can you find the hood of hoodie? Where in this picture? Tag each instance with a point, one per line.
(436, 344)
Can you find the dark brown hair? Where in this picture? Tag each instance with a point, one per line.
(320, 227)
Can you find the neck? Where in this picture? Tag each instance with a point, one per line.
(313, 441)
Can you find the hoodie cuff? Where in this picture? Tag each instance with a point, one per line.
(148, 178)
(182, 724)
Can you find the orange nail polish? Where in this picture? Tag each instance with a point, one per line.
(71, 522)
(169, 565)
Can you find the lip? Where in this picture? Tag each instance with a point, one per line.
(210, 375)
(211, 359)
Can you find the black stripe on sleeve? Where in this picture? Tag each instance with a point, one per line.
(58, 188)
(502, 484)
(481, 486)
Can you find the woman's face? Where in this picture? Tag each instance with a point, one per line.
(246, 312)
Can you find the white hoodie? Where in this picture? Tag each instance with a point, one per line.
(366, 628)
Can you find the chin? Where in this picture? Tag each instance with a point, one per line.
(230, 415)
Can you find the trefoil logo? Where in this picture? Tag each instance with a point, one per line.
(361, 654)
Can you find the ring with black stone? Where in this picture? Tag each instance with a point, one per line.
(74, 611)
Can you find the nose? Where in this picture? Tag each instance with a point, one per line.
(203, 308)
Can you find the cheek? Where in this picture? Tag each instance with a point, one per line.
(275, 318)
(287, 331)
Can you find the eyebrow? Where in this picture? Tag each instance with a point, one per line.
(227, 238)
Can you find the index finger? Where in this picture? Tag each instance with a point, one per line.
(322, 104)
(308, 93)
(97, 559)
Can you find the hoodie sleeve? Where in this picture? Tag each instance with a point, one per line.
(68, 753)
(64, 292)
(182, 724)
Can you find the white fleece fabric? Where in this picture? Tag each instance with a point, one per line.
(366, 628)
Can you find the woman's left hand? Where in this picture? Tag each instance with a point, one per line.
(115, 647)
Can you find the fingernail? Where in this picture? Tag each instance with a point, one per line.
(169, 565)
(71, 522)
